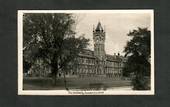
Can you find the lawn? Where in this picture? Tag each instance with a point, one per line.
(94, 83)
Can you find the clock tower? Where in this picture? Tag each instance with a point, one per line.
(99, 42)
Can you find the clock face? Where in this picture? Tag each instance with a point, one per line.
(97, 38)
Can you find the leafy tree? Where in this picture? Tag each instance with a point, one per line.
(138, 56)
(26, 65)
(50, 37)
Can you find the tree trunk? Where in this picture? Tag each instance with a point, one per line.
(65, 82)
(54, 78)
(54, 75)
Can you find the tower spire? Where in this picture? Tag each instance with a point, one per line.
(99, 27)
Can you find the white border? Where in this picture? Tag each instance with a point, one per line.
(64, 92)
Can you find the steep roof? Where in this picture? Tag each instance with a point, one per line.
(99, 27)
(90, 54)
(87, 53)
(113, 57)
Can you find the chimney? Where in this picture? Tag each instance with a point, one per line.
(93, 28)
(114, 55)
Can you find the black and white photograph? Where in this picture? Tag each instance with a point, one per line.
(86, 52)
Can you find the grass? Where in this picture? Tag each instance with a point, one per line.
(94, 83)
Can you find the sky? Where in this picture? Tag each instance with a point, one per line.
(116, 25)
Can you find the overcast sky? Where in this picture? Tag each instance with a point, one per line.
(116, 26)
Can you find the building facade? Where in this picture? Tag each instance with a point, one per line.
(91, 63)
(97, 62)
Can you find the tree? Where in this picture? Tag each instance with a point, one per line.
(138, 56)
(50, 37)
(26, 65)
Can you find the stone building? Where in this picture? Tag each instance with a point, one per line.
(97, 62)
(91, 63)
